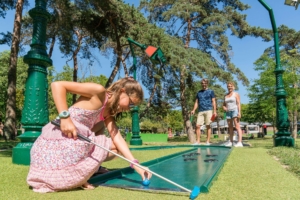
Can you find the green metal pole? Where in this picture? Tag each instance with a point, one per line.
(136, 138)
(35, 113)
(142, 46)
(283, 136)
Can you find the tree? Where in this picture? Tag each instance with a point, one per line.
(202, 26)
(174, 120)
(74, 39)
(10, 121)
(248, 114)
(290, 57)
(125, 122)
(5, 6)
(20, 84)
(261, 93)
(262, 99)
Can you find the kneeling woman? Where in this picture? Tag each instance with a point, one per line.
(60, 161)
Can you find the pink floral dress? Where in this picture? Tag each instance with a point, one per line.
(62, 163)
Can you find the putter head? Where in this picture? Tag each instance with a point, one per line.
(195, 192)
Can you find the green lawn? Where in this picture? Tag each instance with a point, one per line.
(149, 137)
(256, 172)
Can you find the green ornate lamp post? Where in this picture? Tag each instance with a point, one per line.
(156, 55)
(35, 113)
(283, 136)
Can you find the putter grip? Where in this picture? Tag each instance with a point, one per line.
(56, 123)
(84, 138)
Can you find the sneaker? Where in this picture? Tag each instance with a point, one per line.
(239, 144)
(207, 143)
(196, 143)
(228, 144)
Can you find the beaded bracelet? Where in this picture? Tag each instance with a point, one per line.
(135, 161)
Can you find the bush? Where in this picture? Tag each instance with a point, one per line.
(178, 139)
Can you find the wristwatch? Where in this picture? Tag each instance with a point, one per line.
(64, 114)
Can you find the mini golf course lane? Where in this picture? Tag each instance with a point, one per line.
(196, 167)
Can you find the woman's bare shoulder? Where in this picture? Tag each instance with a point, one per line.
(236, 94)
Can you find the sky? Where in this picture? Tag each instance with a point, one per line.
(245, 51)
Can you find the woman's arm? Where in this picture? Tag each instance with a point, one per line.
(118, 140)
(89, 90)
(195, 107)
(238, 103)
(214, 106)
(122, 146)
(93, 92)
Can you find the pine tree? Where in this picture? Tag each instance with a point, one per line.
(202, 25)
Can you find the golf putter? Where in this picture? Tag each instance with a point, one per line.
(193, 194)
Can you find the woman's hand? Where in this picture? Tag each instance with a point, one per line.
(68, 128)
(144, 174)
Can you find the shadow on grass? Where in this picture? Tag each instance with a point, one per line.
(258, 142)
(6, 148)
(6, 153)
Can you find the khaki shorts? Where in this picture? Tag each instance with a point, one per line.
(203, 117)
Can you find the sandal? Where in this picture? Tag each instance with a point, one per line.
(101, 170)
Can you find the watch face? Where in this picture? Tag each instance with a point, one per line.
(64, 114)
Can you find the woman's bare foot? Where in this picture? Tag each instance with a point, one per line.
(87, 186)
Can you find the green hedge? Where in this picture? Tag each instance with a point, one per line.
(150, 137)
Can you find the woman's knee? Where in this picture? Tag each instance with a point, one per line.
(110, 155)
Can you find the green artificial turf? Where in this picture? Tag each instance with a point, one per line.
(249, 173)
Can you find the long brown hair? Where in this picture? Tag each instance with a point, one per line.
(131, 87)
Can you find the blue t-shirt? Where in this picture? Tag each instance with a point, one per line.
(205, 100)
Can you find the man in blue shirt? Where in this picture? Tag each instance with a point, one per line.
(206, 104)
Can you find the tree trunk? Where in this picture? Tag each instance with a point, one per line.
(124, 64)
(295, 113)
(185, 112)
(295, 127)
(10, 122)
(53, 39)
(119, 57)
(188, 125)
(142, 114)
(117, 66)
(125, 68)
(114, 72)
(75, 71)
(75, 60)
(190, 132)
